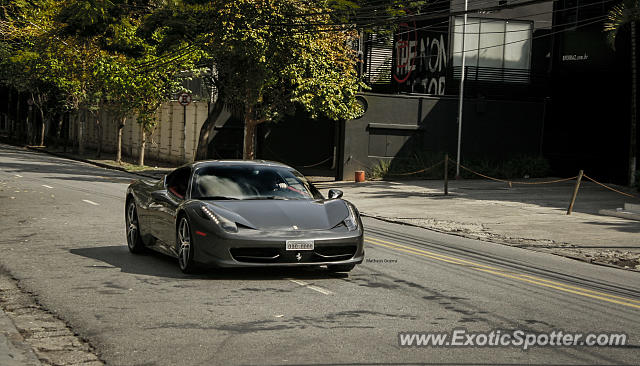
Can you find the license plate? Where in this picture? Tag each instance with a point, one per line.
(299, 245)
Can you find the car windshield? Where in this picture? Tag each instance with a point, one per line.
(251, 182)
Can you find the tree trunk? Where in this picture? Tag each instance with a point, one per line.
(632, 127)
(43, 127)
(143, 145)
(119, 140)
(99, 130)
(18, 122)
(10, 120)
(28, 124)
(59, 122)
(207, 131)
(249, 145)
(80, 136)
(66, 130)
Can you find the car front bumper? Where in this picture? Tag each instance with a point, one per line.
(255, 248)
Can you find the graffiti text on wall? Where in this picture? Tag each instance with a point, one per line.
(420, 61)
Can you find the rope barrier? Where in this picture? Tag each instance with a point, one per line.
(609, 188)
(296, 165)
(417, 171)
(510, 182)
(312, 165)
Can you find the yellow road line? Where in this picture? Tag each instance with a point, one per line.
(581, 293)
(521, 277)
(517, 274)
(432, 253)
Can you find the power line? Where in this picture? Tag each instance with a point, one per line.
(517, 17)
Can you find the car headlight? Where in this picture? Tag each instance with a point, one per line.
(351, 222)
(223, 222)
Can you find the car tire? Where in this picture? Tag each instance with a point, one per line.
(184, 244)
(341, 267)
(134, 239)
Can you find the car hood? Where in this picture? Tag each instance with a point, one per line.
(283, 214)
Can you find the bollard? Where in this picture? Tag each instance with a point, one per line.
(446, 174)
(359, 176)
(575, 192)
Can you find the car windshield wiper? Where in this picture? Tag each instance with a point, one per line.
(216, 198)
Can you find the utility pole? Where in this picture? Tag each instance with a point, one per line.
(184, 99)
(461, 101)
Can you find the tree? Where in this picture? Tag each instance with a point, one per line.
(123, 73)
(265, 67)
(24, 57)
(623, 15)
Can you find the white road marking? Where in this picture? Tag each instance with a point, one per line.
(311, 287)
(46, 186)
(18, 175)
(91, 202)
(301, 283)
(319, 289)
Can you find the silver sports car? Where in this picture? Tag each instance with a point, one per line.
(231, 213)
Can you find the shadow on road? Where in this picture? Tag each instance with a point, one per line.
(158, 265)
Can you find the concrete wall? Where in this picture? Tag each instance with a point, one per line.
(398, 126)
(164, 144)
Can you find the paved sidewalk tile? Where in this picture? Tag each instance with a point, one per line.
(13, 350)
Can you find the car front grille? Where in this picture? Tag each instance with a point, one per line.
(280, 255)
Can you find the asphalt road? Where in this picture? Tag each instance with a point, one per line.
(63, 237)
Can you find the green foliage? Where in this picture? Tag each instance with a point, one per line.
(398, 168)
(87, 53)
(380, 170)
(620, 16)
(265, 67)
(268, 56)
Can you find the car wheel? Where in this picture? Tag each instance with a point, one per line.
(134, 240)
(341, 267)
(185, 246)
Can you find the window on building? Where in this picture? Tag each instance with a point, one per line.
(494, 49)
(377, 60)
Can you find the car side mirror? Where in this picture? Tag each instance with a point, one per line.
(335, 194)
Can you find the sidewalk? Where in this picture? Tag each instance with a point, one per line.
(13, 350)
(532, 217)
(153, 169)
(31, 336)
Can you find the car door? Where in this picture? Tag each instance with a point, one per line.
(177, 184)
(146, 200)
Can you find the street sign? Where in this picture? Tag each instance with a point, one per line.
(184, 99)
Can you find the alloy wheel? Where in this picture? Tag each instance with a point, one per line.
(132, 226)
(184, 242)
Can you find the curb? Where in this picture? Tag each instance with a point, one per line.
(18, 352)
(87, 161)
(621, 214)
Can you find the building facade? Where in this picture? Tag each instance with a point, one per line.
(540, 80)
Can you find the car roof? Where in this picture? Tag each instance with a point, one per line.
(238, 162)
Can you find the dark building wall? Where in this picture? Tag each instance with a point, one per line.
(589, 119)
(502, 117)
(302, 142)
(397, 126)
